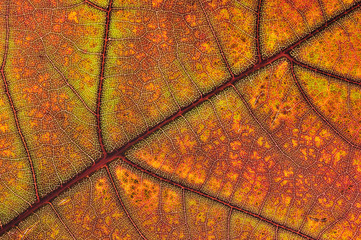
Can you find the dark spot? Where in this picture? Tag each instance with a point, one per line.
(125, 180)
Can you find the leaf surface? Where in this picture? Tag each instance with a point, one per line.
(180, 119)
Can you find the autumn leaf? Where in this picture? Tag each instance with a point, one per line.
(180, 119)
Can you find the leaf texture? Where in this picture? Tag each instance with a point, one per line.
(180, 119)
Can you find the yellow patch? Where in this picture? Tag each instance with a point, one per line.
(73, 17)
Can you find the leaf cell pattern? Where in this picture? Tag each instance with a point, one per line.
(180, 119)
